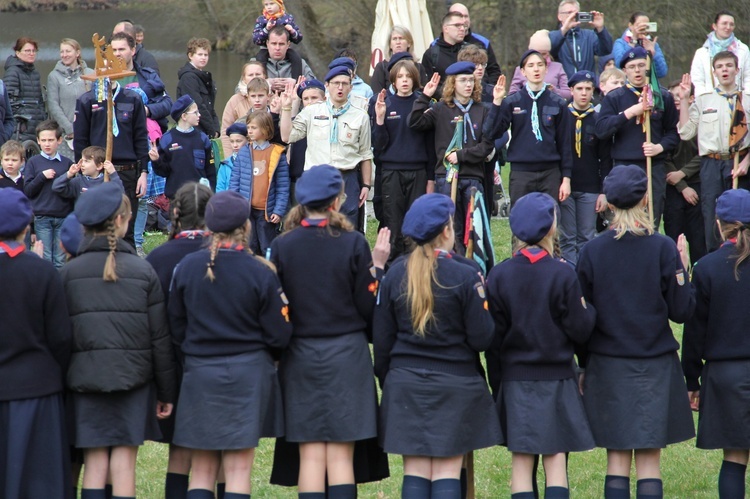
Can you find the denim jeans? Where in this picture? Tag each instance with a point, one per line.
(140, 222)
(47, 230)
(577, 223)
(262, 232)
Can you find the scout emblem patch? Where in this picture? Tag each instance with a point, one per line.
(680, 278)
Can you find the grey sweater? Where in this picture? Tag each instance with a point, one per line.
(64, 86)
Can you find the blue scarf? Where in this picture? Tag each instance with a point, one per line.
(715, 45)
(467, 118)
(334, 137)
(535, 112)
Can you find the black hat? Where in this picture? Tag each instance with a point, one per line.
(427, 217)
(226, 210)
(311, 83)
(96, 205)
(526, 55)
(238, 128)
(399, 56)
(734, 206)
(460, 68)
(15, 212)
(532, 217)
(581, 76)
(636, 52)
(71, 234)
(338, 71)
(180, 106)
(625, 186)
(318, 185)
(343, 61)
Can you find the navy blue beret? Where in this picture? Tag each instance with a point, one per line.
(427, 217)
(399, 56)
(734, 206)
(97, 204)
(71, 234)
(526, 55)
(311, 83)
(16, 212)
(343, 61)
(318, 186)
(226, 210)
(180, 106)
(460, 68)
(581, 76)
(338, 71)
(634, 53)
(532, 217)
(625, 186)
(238, 128)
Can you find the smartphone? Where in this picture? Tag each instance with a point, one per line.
(584, 17)
(651, 27)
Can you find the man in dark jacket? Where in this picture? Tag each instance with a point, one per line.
(492, 72)
(7, 124)
(143, 57)
(444, 51)
(159, 103)
(198, 83)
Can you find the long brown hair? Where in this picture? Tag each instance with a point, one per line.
(188, 209)
(741, 231)
(449, 91)
(336, 221)
(240, 235)
(108, 228)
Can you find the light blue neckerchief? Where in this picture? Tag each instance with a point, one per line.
(467, 118)
(334, 137)
(534, 112)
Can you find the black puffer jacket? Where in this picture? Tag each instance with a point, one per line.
(200, 86)
(24, 86)
(121, 334)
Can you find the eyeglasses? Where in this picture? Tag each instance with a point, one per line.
(566, 13)
(32, 51)
(636, 66)
(458, 26)
(464, 81)
(342, 197)
(341, 84)
(196, 112)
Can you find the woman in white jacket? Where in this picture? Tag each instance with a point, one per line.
(721, 38)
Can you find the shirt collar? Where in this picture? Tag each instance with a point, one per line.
(261, 146)
(184, 130)
(56, 157)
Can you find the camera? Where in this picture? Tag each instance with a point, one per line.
(651, 27)
(584, 17)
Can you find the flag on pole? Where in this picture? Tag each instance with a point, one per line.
(477, 237)
(455, 145)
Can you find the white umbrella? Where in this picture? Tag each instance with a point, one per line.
(411, 14)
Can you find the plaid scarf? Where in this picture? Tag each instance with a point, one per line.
(579, 116)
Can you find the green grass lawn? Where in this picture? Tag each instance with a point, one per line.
(687, 472)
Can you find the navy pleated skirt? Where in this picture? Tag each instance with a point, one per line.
(34, 451)
(637, 403)
(329, 389)
(543, 417)
(724, 421)
(229, 402)
(435, 414)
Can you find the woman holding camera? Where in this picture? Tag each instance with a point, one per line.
(640, 32)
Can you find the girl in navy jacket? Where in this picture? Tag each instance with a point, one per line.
(633, 389)
(717, 335)
(541, 411)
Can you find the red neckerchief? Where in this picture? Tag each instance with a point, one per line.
(191, 234)
(13, 249)
(441, 253)
(731, 240)
(533, 254)
(232, 246)
(309, 222)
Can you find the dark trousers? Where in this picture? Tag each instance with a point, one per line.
(129, 180)
(262, 232)
(399, 190)
(681, 217)
(716, 177)
(523, 182)
(352, 188)
(463, 196)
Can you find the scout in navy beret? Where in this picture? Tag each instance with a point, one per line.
(636, 52)
(71, 234)
(97, 205)
(581, 76)
(528, 54)
(16, 212)
(532, 217)
(625, 186)
(343, 61)
(338, 71)
(311, 83)
(461, 68)
(318, 186)
(180, 106)
(427, 217)
(237, 128)
(399, 56)
(734, 206)
(226, 211)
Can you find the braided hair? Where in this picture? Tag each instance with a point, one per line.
(189, 208)
(109, 229)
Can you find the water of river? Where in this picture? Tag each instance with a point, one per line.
(166, 38)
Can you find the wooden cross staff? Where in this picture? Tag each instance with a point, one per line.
(109, 68)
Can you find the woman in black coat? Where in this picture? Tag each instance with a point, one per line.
(24, 85)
